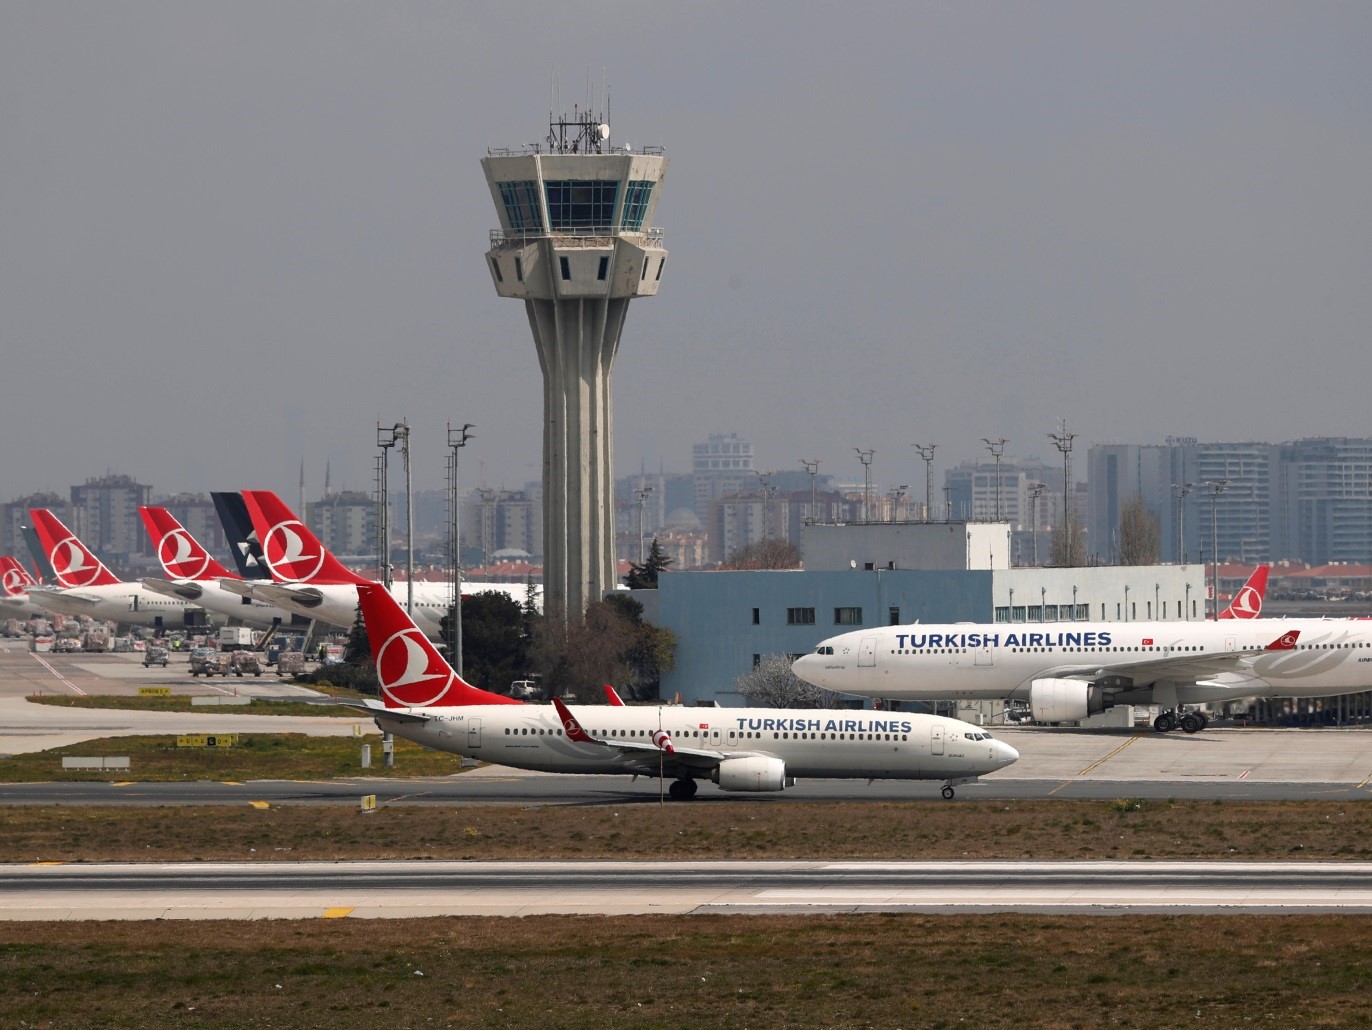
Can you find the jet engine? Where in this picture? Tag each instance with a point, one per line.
(1054, 700)
(752, 774)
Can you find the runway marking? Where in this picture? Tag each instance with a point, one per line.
(1244, 775)
(47, 863)
(44, 663)
(1364, 783)
(260, 804)
(1101, 761)
(124, 783)
(336, 913)
(231, 783)
(1064, 783)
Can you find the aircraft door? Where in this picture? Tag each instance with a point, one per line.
(1231, 643)
(867, 652)
(983, 657)
(473, 733)
(936, 739)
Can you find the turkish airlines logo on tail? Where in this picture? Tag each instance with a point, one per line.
(13, 582)
(73, 563)
(1248, 604)
(180, 556)
(406, 661)
(284, 549)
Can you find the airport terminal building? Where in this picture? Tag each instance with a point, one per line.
(881, 574)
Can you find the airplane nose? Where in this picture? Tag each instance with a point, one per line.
(1005, 755)
(809, 668)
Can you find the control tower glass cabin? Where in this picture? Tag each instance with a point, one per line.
(576, 243)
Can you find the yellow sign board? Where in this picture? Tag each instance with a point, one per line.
(154, 691)
(369, 802)
(207, 740)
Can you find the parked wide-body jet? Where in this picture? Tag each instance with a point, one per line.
(86, 587)
(1070, 670)
(740, 749)
(309, 580)
(195, 576)
(15, 581)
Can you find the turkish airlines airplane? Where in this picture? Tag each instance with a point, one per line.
(1069, 670)
(87, 587)
(748, 749)
(311, 581)
(15, 581)
(196, 576)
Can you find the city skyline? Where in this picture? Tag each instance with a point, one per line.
(231, 244)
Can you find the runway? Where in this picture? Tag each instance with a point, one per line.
(318, 890)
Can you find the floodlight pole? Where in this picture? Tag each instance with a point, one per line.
(926, 451)
(812, 468)
(457, 439)
(1035, 492)
(1181, 490)
(997, 448)
(642, 493)
(385, 439)
(1063, 442)
(1217, 487)
(866, 458)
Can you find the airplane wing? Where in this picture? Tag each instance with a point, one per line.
(278, 593)
(376, 708)
(642, 754)
(187, 591)
(40, 594)
(1181, 667)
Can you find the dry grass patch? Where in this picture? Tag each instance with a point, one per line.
(721, 829)
(702, 971)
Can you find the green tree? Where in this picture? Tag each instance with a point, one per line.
(495, 641)
(610, 643)
(644, 577)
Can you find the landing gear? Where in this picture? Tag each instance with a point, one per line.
(682, 790)
(1190, 722)
(948, 792)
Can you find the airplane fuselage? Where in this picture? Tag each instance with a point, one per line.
(211, 595)
(811, 742)
(1003, 661)
(129, 604)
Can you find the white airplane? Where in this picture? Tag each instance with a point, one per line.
(1069, 670)
(87, 587)
(15, 582)
(307, 579)
(748, 749)
(195, 575)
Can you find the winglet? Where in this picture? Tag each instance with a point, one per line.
(569, 723)
(611, 698)
(1247, 603)
(1285, 642)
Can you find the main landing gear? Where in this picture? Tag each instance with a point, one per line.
(682, 790)
(1190, 722)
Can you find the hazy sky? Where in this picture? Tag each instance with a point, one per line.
(233, 235)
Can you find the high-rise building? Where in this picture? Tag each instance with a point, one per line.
(345, 522)
(721, 467)
(1322, 500)
(104, 514)
(576, 244)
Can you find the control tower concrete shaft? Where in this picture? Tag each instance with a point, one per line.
(576, 244)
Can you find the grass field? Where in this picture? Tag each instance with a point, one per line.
(742, 829)
(255, 756)
(693, 971)
(182, 703)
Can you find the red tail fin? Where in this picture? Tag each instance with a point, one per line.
(412, 672)
(72, 561)
(181, 555)
(293, 553)
(14, 578)
(611, 697)
(1247, 603)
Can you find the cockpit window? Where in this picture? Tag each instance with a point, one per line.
(824, 650)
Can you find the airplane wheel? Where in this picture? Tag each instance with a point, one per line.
(1192, 723)
(677, 791)
(1165, 723)
(691, 787)
(948, 793)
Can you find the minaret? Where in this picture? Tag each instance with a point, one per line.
(576, 244)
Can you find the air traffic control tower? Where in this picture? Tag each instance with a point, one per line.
(576, 244)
